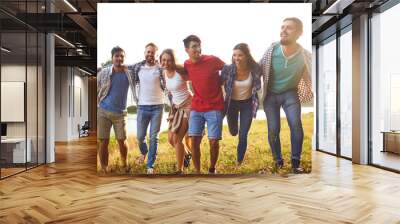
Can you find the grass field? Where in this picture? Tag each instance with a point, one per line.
(258, 155)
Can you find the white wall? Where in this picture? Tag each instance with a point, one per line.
(61, 103)
(14, 73)
(34, 125)
(70, 83)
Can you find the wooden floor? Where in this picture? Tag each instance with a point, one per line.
(69, 191)
(387, 159)
(10, 171)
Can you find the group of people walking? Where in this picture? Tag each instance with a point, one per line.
(283, 76)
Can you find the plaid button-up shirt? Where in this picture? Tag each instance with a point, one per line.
(135, 69)
(304, 87)
(228, 76)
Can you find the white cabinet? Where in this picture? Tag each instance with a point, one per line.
(15, 148)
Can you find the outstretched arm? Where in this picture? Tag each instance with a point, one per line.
(224, 74)
(182, 71)
(220, 66)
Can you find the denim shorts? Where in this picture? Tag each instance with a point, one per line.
(214, 123)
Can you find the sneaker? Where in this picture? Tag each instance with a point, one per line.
(179, 172)
(279, 165)
(103, 171)
(238, 164)
(298, 170)
(263, 171)
(140, 159)
(150, 171)
(125, 169)
(212, 171)
(186, 161)
(107, 170)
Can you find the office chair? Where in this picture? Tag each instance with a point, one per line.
(84, 130)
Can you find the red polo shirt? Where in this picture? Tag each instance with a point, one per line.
(206, 83)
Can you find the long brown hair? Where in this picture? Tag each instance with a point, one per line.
(171, 53)
(243, 47)
(179, 68)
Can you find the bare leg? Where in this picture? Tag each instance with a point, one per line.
(188, 147)
(214, 152)
(123, 149)
(171, 138)
(180, 152)
(179, 147)
(103, 153)
(196, 140)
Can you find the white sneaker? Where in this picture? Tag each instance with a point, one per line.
(238, 164)
(150, 171)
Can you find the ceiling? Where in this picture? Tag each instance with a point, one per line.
(75, 22)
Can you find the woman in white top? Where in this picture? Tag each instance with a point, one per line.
(241, 81)
(181, 98)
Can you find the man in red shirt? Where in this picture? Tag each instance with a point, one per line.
(207, 102)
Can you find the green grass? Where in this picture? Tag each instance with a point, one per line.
(258, 155)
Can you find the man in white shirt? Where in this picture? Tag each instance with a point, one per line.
(149, 94)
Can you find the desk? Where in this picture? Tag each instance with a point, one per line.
(13, 150)
(391, 141)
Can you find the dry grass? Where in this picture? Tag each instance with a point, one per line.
(258, 155)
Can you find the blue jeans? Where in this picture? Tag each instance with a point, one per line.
(149, 114)
(197, 121)
(242, 108)
(290, 103)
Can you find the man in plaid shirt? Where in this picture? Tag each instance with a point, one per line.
(286, 71)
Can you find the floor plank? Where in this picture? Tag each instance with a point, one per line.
(70, 191)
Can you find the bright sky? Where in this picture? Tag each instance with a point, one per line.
(220, 27)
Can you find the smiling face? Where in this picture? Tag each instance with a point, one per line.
(239, 58)
(166, 61)
(194, 50)
(289, 32)
(118, 58)
(150, 55)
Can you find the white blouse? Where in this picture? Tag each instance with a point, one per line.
(242, 89)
